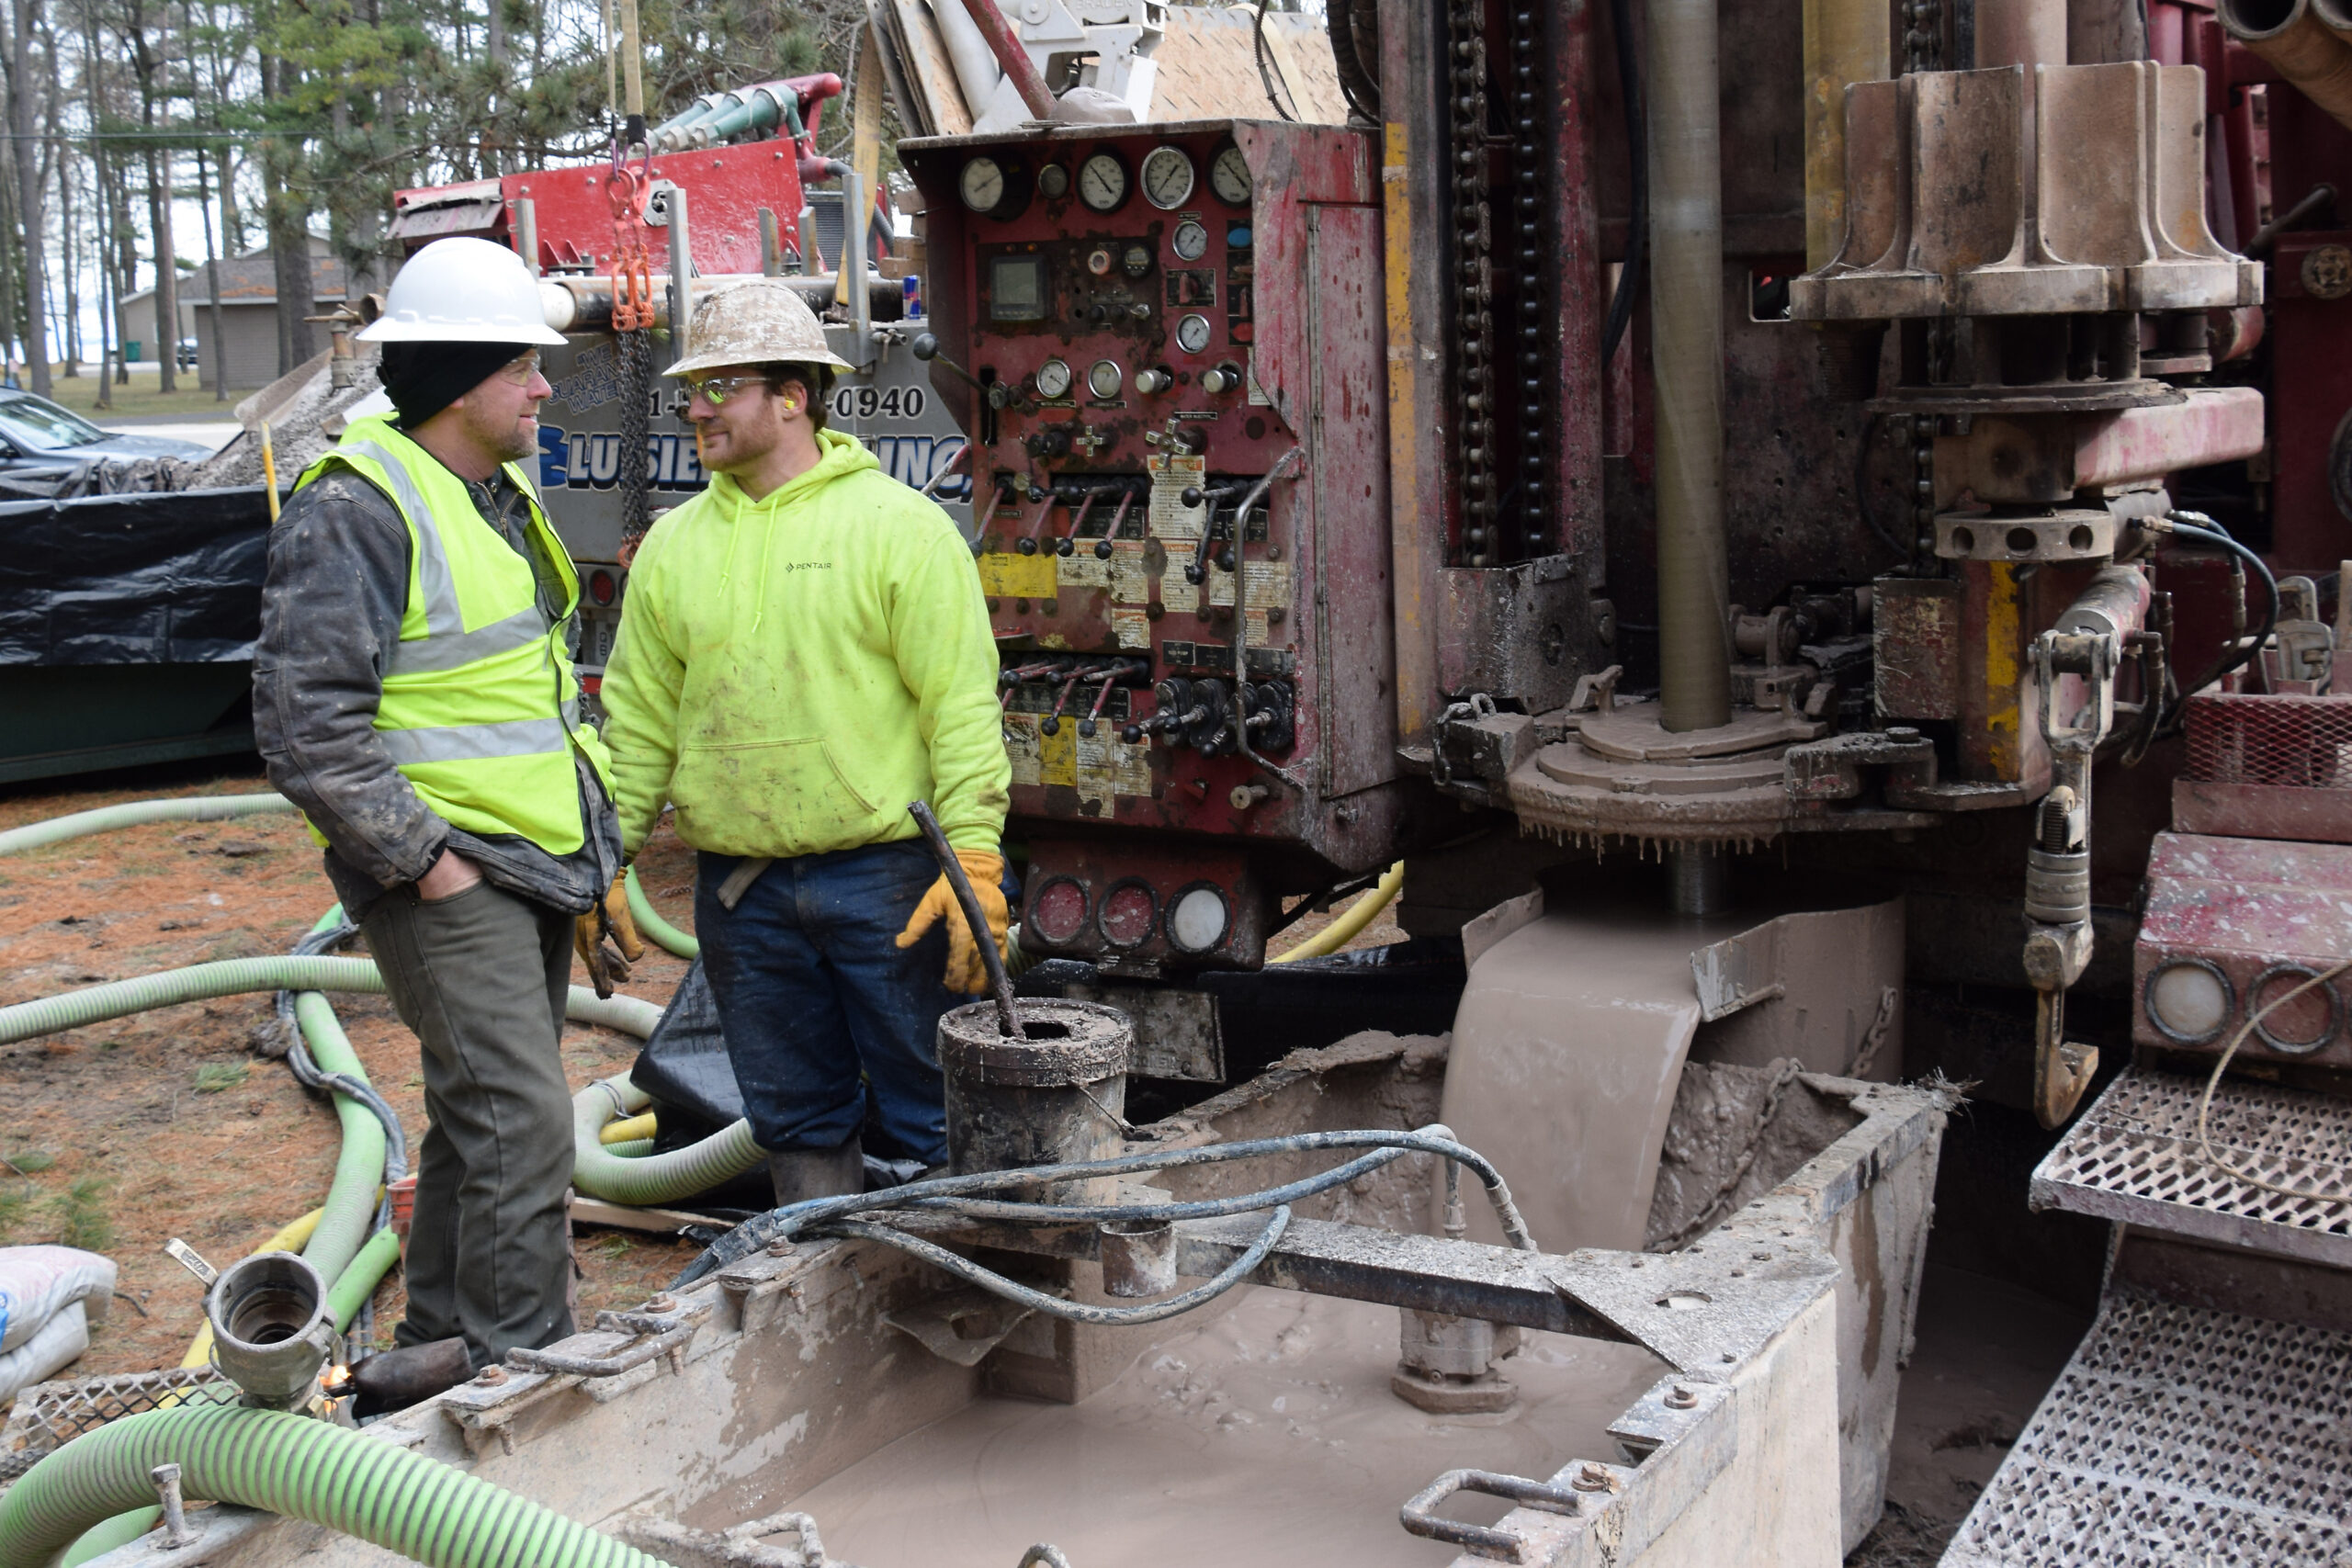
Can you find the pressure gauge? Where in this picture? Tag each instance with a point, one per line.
(982, 185)
(1190, 242)
(1167, 178)
(1053, 182)
(1102, 378)
(1102, 183)
(1229, 178)
(1053, 379)
(1193, 334)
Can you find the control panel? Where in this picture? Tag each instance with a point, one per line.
(1168, 341)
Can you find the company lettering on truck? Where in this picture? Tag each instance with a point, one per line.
(590, 460)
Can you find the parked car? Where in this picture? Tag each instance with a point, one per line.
(187, 354)
(45, 449)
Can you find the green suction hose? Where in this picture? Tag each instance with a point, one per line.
(602, 1170)
(649, 923)
(197, 982)
(359, 1168)
(357, 1283)
(303, 1468)
(131, 813)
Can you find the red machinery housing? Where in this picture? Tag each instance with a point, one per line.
(574, 219)
(1176, 386)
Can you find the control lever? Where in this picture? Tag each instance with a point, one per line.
(1225, 378)
(925, 347)
(1051, 724)
(1192, 496)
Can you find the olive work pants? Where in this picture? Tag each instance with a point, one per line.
(481, 978)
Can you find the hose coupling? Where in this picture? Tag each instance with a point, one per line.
(271, 1332)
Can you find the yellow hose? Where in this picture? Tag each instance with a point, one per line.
(291, 1239)
(628, 1131)
(1345, 929)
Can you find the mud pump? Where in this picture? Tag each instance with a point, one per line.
(1763, 513)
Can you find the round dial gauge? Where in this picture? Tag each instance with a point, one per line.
(982, 185)
(1167, 178)
(1190, 242)
(1229, 178)
(1053, 379)
(1193, 334)
(1053, 182)
(1102, 183)
(1102, 378)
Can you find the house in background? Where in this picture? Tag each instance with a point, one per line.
(248, 314)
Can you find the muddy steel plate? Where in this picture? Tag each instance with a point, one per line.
(2133, 1156)
(2177, 1437)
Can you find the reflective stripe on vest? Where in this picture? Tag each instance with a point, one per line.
(484, 723)
(474, 743)
(446, 643)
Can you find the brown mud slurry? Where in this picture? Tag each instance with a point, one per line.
(121, 1149)
(1261, 1433)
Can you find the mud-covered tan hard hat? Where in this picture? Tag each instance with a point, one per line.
(763, 322)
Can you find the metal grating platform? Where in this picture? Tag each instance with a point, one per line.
(2133, 1156)
(2177, 1437)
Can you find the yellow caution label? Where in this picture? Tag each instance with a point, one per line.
(1058, 754)
(1018, 576)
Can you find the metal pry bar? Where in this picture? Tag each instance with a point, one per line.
(1000, 983)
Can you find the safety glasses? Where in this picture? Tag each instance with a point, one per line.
(519, 370)
(716, 389)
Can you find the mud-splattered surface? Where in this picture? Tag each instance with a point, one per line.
(1262, 1434)
(1987, 1352)
(124, 1134)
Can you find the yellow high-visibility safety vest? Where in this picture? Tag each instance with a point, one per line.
(480, 709)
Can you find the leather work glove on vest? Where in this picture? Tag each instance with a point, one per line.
(610, 917)
(965, 971)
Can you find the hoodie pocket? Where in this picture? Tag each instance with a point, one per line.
(769, 797)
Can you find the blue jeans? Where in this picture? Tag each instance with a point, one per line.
(820, 1004)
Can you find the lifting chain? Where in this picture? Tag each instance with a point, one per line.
(1527, 185)
(1490, 370)
(1466, 24)
(1923, 491)
(626, 190)
(1923, 35)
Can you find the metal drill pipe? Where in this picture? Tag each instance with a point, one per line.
(1006, 44)
(1008, 1018)
(1687, 356)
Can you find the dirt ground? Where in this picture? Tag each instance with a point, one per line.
(122, 1135)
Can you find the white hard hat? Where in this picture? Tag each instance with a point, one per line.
(462, 290)
(761, 322)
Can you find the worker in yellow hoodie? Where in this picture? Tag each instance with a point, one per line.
(804, 649)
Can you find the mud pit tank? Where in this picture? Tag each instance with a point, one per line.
(1665, 1403)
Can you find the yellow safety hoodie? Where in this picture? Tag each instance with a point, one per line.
(792, 671)
(481, 710)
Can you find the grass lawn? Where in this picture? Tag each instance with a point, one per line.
(141, 397)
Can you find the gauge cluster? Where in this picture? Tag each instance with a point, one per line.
(1146, 505)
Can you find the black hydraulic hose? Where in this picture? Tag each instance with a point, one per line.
(811, 1217)
(308, 1073)
(1637, 228)
(2204, 530)
(1077, 1312)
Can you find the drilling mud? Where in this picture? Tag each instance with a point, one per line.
(1262, 1435)
(1586, 1020)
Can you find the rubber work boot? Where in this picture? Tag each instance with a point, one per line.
(802, 1173)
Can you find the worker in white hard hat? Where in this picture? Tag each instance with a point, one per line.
(414, 696)
(804, 651)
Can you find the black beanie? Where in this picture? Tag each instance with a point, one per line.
(422, 378)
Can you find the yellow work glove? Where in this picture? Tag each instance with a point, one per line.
(965, 971)
(610, 917)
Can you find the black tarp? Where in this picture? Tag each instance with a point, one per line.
(168, 578)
